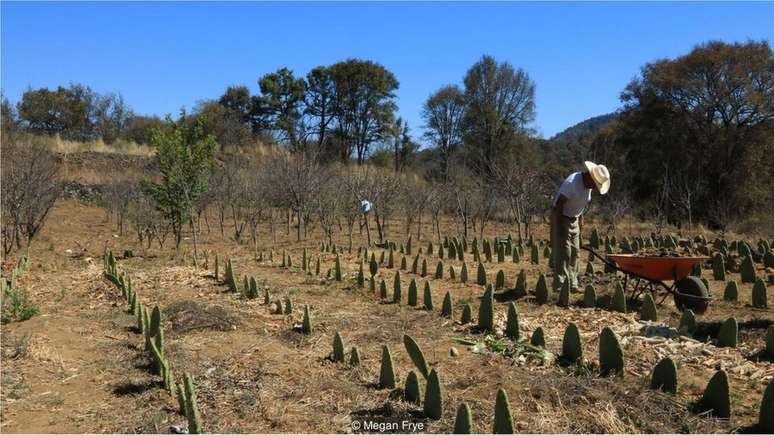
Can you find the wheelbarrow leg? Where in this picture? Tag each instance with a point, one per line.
(669, 290)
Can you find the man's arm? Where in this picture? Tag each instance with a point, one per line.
(558, 209)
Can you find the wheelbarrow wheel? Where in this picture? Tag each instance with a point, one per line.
(690, 293)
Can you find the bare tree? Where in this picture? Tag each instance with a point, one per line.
(29, 191)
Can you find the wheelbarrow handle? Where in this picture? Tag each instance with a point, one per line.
(604, 259)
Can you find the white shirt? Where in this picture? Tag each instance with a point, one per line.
(578, 196)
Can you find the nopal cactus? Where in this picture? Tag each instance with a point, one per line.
(716, 397)
(687, 323)
(423, 272)
(618, 302)
(541, 290)
(433, 404)
(731, 293)
(572, 351)
(354, 357)
(192, 409)
(428, 297)
(664, 376)
(503, 422)
(416, 354)
(397, 289)
(520, 289)
(383, 290)
(306, 327)
(486, 311)
(439, 270)
(338, 348)
(500, 280)
(463, 422)
(759, 298)
(386, 373)
(464, 273)
(766, 416)
(590, 297)
(447, 306)
(538, 338)
(564, 294)
(412, 293)
(512, 322)
(337, 269)
(729, 333)
(648, 311)
(411, 393)
(535, 256)
(611, 360)
(718, 268)
(467, 314)
(747, 270)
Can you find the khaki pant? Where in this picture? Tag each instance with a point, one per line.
(565, 248)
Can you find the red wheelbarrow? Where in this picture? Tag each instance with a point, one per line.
(649, 273)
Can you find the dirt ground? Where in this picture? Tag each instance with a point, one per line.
(79, 366)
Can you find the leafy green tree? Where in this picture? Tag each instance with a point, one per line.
(320, 103)
(280, 106)
(500, 103)
(364, 105)
(185, 156)
(703, 122)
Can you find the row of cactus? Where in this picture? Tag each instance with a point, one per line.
(149, 324)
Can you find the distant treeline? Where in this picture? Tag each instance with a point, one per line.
(692, 141)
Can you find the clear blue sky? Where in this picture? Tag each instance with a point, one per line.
(162, 56)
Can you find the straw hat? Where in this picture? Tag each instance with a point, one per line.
(600, 175)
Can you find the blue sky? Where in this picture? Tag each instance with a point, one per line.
(162, 56)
